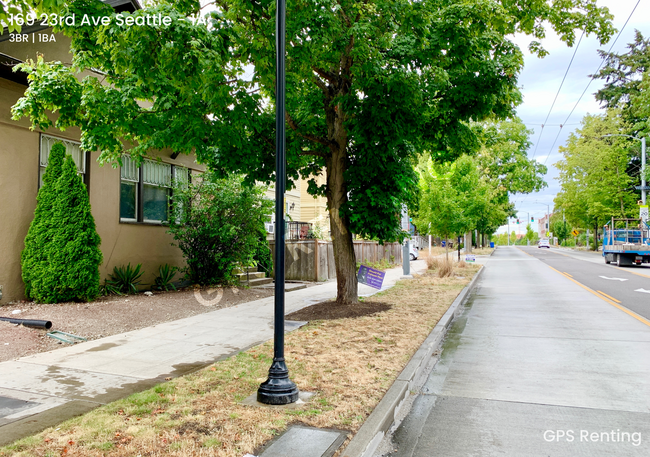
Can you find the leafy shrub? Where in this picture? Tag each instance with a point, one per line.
(124, 280)
(263, 256)
(216, 224)
(33, 259)
(165, 277)
(70, 245)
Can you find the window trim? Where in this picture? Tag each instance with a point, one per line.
(139, 201)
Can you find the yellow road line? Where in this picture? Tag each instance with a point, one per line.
(525, 252)
(622, 308)
(568, 274)
(608, 296)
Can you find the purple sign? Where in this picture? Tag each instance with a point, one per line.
(370, 276)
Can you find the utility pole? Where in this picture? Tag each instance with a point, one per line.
(643, 183)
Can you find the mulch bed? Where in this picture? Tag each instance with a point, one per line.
(329, 310)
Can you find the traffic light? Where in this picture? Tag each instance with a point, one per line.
(532, 219)
(517, 221)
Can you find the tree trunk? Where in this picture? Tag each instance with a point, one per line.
(344, 256)
(596, 236)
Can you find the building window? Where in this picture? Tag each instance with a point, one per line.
(156, 191)
(145, 191)
(72, 148)
(129, 186)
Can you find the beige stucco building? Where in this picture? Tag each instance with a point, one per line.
(128, 203)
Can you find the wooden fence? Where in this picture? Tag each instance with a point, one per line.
(313, 260)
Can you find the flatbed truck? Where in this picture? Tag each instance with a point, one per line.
(626, 246)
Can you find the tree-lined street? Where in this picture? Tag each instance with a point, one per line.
(536, 366)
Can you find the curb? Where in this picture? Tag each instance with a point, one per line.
(371, 433)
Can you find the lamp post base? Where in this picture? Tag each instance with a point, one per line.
(278, 389)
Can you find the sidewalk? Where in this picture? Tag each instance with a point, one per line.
(42, 390)
(535, 366)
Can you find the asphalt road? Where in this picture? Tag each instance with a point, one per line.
(628, 287)
(538, 365)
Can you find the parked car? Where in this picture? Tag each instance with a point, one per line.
(414, 254)
(544, 244)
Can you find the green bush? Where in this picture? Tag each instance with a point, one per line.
(73, 253)
(220, 229)
(165, 277)
(124, 280)
(263, 256)
(33, 259)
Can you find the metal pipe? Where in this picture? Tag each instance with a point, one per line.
(32, 323)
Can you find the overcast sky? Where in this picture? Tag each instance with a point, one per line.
(540, 81)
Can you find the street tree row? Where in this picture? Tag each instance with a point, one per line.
(601, 165)
(371, 85)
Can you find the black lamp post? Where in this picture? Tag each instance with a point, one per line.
(278, 389)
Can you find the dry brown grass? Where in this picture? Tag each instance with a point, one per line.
(482, 251)
(443, 265)
(348, 363)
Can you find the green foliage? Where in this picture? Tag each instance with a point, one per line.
(34, 257)
(73, 253)
(444, 198)
(595, 185)
(531, 235)
(20, 9)
(220, 229)
(561, 230)
(366, 92)
(263, 255)
(626, 82)
(165, 277)
(124, 280)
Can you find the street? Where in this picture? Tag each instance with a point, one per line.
(538, 365)
(627, 286)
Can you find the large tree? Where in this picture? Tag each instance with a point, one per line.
(595, 184)
(370, 84)
(504, 165)
(625, 76)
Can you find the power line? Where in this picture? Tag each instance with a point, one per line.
(592, 78)
(601, 64)
(586, 88)
(558, 92)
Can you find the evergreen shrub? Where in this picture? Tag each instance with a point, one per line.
(69, 257)
(33, 259)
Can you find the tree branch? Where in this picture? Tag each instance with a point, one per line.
(313, 153)
(314, 138)
(330, 77)
(345, 16)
